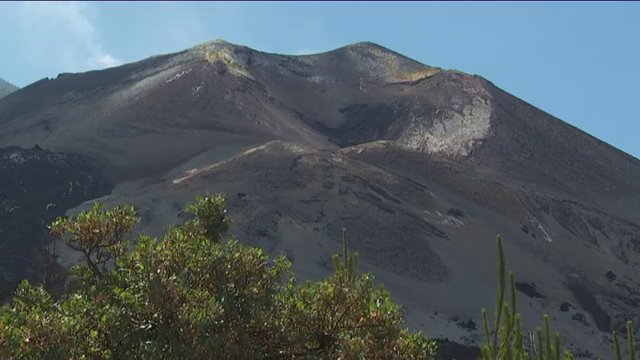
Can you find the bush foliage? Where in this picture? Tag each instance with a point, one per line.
(193, 294)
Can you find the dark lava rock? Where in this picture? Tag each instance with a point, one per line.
(610, 275)
(579, 317)
(589, 303)
(455, 212)
(583, 354)
(469, 325)
(448, 350)
(565, 306)
(529, 289)
(37, 186)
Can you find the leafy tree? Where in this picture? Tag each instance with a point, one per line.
(98, 234)
(193, 295)
(347, 317)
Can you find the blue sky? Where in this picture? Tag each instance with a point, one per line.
(577, 61)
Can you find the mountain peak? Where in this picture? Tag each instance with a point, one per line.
(218, 43)
(361, 45)
(6, 88)
(234, 56)
(367, 45)
(367, 61)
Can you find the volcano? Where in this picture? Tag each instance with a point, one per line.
(423, 166)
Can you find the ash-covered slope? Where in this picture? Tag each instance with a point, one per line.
(219, 95)
(152, 115)
(424, 166)
(426, 227)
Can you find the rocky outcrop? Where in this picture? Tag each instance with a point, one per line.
(37, 185)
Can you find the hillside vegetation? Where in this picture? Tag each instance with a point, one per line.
(196, 293)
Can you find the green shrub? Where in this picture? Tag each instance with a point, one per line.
(192, 294)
